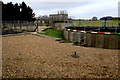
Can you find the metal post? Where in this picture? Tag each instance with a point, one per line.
(84, 28)
(74, 26)
(105, 23)
(99, 28)
(20, 17)
(79, 37)
(79, 23)
(115, 29)
(84, 38)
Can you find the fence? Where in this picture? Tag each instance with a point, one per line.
(93, 39)
(97, 23)
(18, 26)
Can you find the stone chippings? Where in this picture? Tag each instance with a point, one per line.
(31, 56)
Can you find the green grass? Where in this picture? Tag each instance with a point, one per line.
(94, 23)
(67, 41)
(54, 33)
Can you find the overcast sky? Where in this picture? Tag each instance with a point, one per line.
(80, 9)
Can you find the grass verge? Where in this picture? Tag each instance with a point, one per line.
(53, 33)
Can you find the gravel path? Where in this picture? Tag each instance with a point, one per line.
(31, 56)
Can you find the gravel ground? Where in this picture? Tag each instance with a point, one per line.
(31, 56)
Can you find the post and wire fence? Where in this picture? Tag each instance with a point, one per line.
(113, 25)
(18, 26)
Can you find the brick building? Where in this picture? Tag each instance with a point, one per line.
(58, 17)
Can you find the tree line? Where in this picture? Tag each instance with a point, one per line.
(110, 18)
(17, 12)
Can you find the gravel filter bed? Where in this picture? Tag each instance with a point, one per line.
(32, 56)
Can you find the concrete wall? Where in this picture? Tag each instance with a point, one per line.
(107, 41)
(27, 28)
(100, 41)
(71, 36)
(66, 34)
(61, 25)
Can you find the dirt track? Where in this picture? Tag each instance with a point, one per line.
(37, 57)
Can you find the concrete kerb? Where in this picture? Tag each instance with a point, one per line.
(45, 36)
(16, 34)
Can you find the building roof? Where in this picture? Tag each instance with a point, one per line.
(57, 14)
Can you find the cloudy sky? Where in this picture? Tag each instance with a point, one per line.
(83, 9)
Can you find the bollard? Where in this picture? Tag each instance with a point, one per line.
(75, 55)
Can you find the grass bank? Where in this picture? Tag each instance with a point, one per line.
(53, 33)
